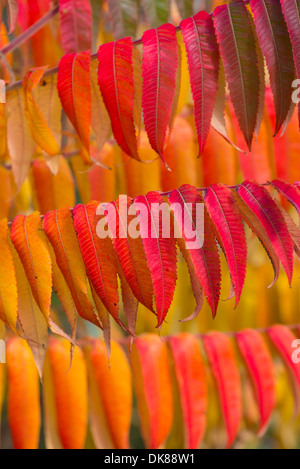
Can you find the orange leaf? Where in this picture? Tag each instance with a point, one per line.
(8, 282)
(6, 193)
(70, 393)
(74, 89)
(259, 363)
(20, 144)
(98, 256)
(130, 251)
(191, 378)
(23, 395)
(222, 360)
(30, 242)
(59, 228)
(114, 389)
(283, 339)
(149, 358)
(40, 129)
(52, 192)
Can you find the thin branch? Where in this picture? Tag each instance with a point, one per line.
(29, 32)
(52, 71)
(8, 67)
(200, 189)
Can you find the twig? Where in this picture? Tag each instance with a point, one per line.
(200, 189)
(29, 32)
(8, 67)
(52, 71)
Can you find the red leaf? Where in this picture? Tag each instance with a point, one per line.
(290, 192)
(203, 58)
(223, 212)
(260, 366)
(221, 356)
(206, 258)
(191, 378)
(73, 84)
(130, 251)
(160, 251)
(59, 228)
(291, 11)
(283, 340)
(153, 388)
(196, 285)
(275, 44)
(237, 46)
(292, 228)
(76, 25)
(160, 63)
(257, 228)
(263, 206)
(98, 256)
(115, 77)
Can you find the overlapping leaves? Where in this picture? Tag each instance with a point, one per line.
(128, 86)
(190, 374)
(70, 254)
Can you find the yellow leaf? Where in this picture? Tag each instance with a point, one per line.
(31, 244)
(21, 145)
(32, 323)
(8, 282)
(64, 294)
(39, 127)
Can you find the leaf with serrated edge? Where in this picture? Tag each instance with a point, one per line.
(238, 52)
(275, 44)
(222, 360)
(264, 208)
(225, 216)
(261, 369)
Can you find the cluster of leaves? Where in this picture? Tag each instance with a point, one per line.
(119, 87)
(220, 163)
(176, 404)
(127, 83)
(62, 249)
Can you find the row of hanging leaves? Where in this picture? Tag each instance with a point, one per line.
(63, 250)
(77, 17)
(176, 404)
(120, 87)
